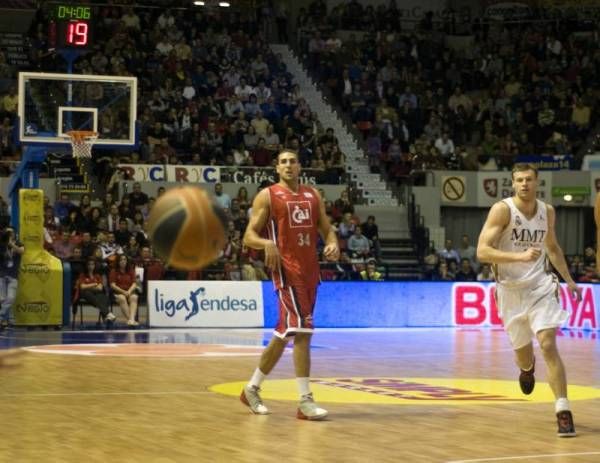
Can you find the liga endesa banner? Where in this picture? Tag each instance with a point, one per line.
(205, 304)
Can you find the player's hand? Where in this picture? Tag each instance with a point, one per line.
(574, 290)
(332, 252)
(530, 255)
(272, 256)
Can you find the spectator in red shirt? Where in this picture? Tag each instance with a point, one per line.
(126, 289)
(90, 288)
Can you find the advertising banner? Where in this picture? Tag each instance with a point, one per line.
(193, 174)
(40, 289)
(171, 173)
(205, 304)
(424, 304)
(557, 162)
(494, 186)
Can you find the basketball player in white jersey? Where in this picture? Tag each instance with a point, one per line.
(597, 219)
(516, 238)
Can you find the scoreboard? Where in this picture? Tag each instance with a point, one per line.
(74, 25)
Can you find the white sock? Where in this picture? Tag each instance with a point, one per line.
(562, 404)
(303, 386)
(257, 378)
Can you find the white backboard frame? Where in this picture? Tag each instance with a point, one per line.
(60, 138)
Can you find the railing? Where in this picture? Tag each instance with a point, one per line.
(418, 231)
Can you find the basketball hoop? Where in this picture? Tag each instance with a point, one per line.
(82, 142)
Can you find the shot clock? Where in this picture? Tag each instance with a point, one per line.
(74, 25)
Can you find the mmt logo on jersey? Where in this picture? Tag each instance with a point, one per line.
(299, 214)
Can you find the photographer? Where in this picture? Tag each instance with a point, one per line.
(10, 259)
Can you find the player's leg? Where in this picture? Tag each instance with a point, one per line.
(524, 357)
(271, 355)
(516, 324)
(302, 300)
(546, 315)
(250, 395)
(302, 354)
(526, 362)
(556, 369)
(557, 378)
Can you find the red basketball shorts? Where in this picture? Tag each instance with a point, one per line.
(296, 305)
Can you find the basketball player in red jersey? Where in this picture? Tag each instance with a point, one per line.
(293, 215)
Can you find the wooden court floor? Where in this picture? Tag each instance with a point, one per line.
(406, 395)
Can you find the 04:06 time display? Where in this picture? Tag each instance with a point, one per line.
(73, 12)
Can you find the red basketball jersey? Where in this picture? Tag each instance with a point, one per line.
(293, 226)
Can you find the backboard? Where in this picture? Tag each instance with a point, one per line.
(52, 104)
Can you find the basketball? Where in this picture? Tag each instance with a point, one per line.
(186, 228)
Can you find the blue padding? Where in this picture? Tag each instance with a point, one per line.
(373, 304)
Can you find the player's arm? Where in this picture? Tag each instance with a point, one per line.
(556, 256)
(261, 210)
(497, 220)
(332, 248)
(597, 219)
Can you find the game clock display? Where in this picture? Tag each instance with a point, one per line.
(73, 25)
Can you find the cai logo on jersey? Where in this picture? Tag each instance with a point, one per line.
(299, 214)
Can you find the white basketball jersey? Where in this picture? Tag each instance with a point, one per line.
(520, 235)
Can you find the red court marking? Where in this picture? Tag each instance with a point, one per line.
(150, 350)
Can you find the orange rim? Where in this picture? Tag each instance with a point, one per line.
(81, 136)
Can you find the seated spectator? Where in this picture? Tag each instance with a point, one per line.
(485, 273)
(358, 244)
(223, 199)
(261, 156)
(126, 289)
(242, 197)
(590, 275)
(346, 227)
(122, 234)
(589, 256)
(371, 273)
(466, 272)
(109, 249)
(443, 273)
(449, 253)
(250, 138)
(371, 231)
(343, 203)
(90, 289)
(63, 206)
(468, 251)
(63, 246)
(241, 156)
(576, 266)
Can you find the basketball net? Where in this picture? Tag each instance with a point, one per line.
(82, 142)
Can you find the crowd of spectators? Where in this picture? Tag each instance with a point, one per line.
(211, 91)
(113, 234)
(528, 88)
(460, 264)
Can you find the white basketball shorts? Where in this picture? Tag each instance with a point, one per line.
(529, 310)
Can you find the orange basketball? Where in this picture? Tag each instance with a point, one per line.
(186, 228)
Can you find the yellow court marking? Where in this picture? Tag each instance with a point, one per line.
(405, 391)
